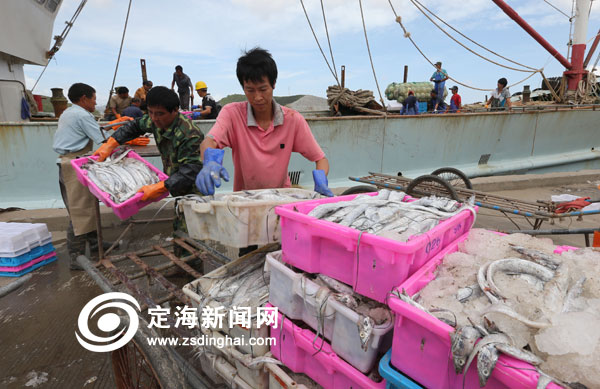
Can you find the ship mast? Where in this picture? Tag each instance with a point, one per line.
(575, 70)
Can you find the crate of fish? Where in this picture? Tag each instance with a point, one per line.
(393, 378)
(359, 329)
(240, 219)
(22, 240)
(371, 242)
(303, 352)
(229, 288)
(500, 311)
(117, 180)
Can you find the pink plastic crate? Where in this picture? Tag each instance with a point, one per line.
(127, 208)
(26, 265)
(371, 264)
(294, 347)
(421, 345)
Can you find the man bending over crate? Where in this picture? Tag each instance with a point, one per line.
(177, 139)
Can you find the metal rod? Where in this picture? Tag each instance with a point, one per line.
(116, 242)
(143, 66)
(179, 263)
(558, 231)
(405, 74)
(6, 289)
(531, 31)
(142, 221)
(204, 247)
(139, 253)
(162, 267)
(90, 269)
(169, 287)
(99, 229)
(343, 76)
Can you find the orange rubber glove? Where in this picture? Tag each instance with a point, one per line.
(154, 191)
(141, 141)
(118, 116)
(106, 149)
(120, 119)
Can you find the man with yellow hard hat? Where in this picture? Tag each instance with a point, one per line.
(209, 108)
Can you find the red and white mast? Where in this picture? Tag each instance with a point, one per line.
(575, 69)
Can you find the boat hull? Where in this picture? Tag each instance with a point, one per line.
(479, 144)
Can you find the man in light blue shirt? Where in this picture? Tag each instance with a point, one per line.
(77, 129)
(439, 77)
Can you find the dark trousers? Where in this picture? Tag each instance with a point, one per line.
(184, 99)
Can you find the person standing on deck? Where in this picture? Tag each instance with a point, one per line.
(178, 141)
(439, 77)
(185, 89)
(142, 91)
(455, 100)
(411, 105)
(77, 131)
(119, 102)
(500, 99)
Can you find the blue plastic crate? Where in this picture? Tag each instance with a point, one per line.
(393, 378)
(29, 256)
(422, 106)
(29, 269)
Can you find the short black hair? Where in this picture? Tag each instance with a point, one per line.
(78, 90)
(122, 89)
(502, 81)
(256, 64)
(161, 96)
(178, 67)
(147, 82)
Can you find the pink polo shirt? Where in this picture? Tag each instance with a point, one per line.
(261, 157)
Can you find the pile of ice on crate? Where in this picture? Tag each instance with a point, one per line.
(24, 247)
(501, 311)
(331, 281)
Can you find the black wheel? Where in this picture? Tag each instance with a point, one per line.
(454, 177)
(428, 185)
(359, 189)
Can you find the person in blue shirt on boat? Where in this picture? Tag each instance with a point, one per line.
(500, 99)
(411, 105)
(439, 77)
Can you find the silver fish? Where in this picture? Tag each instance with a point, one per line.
(462, 342)
(538, 257)
(516, 265)
(573, 293)
(520, 354)
(489, 339)
(504, 309)
(486, 362)
(465, 294)
(483, 283)
(365, 331)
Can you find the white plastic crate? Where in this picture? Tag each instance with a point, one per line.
(19, 238)
(299, 298)
(237, 223)
(199, 291)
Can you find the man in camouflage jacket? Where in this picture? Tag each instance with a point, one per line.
(177, 139)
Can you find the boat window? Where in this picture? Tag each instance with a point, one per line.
(52, 5)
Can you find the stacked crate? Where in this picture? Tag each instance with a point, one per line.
(330, 352)
(24, 247)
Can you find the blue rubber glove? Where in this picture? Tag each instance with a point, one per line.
(196, 115)
(195, 106)
(321, 184)
(212, 172)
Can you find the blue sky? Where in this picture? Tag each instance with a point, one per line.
(207, 37)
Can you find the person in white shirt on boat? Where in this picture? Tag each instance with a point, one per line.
(500, 99)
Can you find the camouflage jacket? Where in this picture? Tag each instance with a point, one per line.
(179, 147)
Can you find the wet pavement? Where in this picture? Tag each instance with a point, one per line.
(38, 321)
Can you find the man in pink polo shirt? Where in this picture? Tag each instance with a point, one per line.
(261, 133)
